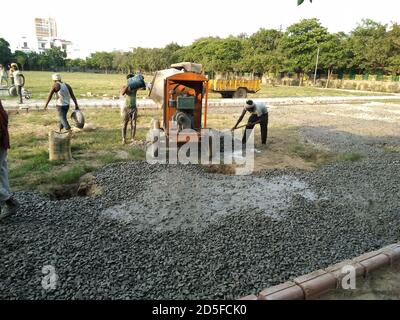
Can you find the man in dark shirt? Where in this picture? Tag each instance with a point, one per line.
(8, 204)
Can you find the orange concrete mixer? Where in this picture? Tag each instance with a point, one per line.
(182, 93)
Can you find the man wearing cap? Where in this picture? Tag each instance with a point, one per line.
(259, 114)
(9, 204)
(18, 80)
(10, 74)
(64, 94)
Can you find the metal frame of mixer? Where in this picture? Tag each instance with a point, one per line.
(187, 85)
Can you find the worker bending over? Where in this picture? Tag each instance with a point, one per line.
(259, 114)
(64, 95)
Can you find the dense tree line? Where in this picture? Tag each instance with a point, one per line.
(370, 48)
(50, 59)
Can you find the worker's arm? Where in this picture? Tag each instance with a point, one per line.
(124, 90)
(71, 92)
(55, 88)
(240, 119)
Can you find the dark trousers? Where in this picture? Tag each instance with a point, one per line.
(19, 92)
(263, 120)
(62, 115)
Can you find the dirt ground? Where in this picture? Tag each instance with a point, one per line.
(272, 158)
(381, 285)
(372, 119)
(246, 233)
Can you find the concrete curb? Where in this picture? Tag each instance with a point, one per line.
(313, 285)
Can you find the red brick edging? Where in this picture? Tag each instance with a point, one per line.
(313, 285)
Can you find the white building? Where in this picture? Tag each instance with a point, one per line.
(48, 43)
(26, 45)
(47, 37)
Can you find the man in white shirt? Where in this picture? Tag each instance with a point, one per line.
(259, 114)
(18, 80)
(3, 75)
(64, 94)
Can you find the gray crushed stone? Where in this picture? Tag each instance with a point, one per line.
(178, 232)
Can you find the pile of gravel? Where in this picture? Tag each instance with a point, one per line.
(177, 232)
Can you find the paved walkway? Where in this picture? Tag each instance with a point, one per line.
(148, 103)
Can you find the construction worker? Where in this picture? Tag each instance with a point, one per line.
(64, 94)
(3, 75)
(259, 114)
(10, 74)
(18, 80)
(9, 204)
(129, 110)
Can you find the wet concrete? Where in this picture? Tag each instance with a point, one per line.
(196, 200)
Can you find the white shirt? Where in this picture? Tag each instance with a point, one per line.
(63, 95)
(260, 108)
(18, 81)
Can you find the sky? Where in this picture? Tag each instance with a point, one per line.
(122, 24)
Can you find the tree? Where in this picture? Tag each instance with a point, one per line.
(202, 51)
(299, 46)
(21, 58)
(394, 64)
(122, 61)
(52, 59)
(393, 37)
(260, 52)
(32, 61)
(141, 59)
(170, 52)
(370, 47)
(43, 62)
(333, 54)
(101, 60)
(228, 54)
(75, 64)
(215, 54)
(299, 2)
(5, 52)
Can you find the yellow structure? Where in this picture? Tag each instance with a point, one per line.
(236, 88)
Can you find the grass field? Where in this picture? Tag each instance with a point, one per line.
(109, 84)
(28, 158)
(30, 168)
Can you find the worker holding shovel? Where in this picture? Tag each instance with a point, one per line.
(259, 114)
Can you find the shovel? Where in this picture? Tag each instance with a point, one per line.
(244, 125)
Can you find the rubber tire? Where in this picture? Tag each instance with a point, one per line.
(241, 93)
(23, 80)
(12, 91)
(227, 95)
